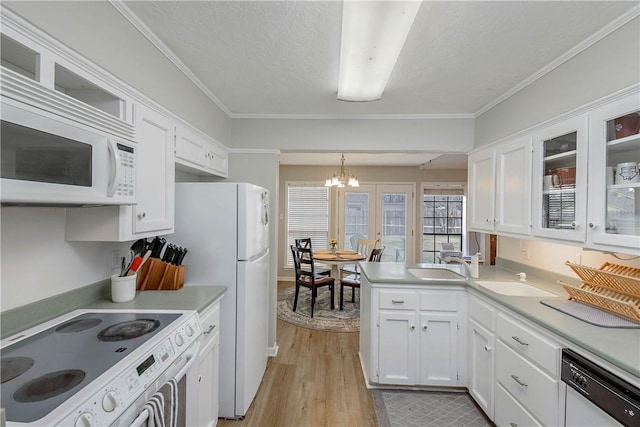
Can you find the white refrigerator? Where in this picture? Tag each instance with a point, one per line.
(225, 227)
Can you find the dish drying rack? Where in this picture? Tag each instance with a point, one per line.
(612, 287)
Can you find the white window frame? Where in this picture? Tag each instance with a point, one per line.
(317, 244)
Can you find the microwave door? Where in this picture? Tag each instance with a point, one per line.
(48, 161)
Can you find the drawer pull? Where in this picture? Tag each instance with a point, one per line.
(520, 383)
(397, 301)
(487, 348)
(211, 328)
(519, 341)
(513, 424)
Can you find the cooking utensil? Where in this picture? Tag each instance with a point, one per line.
(139, 246)
(135, 265)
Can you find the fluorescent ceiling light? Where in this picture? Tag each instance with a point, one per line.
(373, 34)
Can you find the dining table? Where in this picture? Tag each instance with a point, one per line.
(337, 259)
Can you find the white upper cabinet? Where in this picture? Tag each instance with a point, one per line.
(614, 180)
(156, 172)
(481, 176)
(560, 180)
(199, 154)
(500, 187)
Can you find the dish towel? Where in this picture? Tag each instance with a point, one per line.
(163, 406)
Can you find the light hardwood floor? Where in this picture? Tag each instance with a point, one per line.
(314, 381)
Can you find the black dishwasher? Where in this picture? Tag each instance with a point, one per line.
(613, 395)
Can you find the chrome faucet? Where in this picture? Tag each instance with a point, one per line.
(473, 268)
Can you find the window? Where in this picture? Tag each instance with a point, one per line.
(442, 221)
(307, 216)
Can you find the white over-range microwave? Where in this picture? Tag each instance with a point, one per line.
(50, 160)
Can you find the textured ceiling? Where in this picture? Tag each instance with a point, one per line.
(281, 57)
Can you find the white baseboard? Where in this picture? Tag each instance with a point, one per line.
(272, 351)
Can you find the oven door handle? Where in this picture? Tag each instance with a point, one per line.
(190, 355)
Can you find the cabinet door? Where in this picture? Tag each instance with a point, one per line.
(155, 174)
(513, 186)
(614, 191)
(560, 180)
(438, 349)
(481, 366)
(190, 149)
(217, 160)
(481, 190)
(397, 355)
(208, 384)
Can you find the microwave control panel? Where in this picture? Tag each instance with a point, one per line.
(127, 187)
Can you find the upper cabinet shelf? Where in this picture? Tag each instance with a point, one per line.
(620, 145)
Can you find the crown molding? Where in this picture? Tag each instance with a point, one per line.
(580, 47)
(168, 53)
(254, 151)
(354, 116)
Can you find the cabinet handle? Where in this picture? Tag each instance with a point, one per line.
(397, 301)
(574, 225)
(520, 383)
(211, 328)
(413, 327)
(424, 327)
(141, 215)
(487, 348)
(592, 225)
(513, 424)
(519, 341)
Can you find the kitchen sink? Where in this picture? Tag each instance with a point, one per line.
(514, 289)
(436, 274)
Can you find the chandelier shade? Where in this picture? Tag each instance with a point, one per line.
(342, 177)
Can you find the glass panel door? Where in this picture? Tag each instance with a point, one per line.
(381, 212)
(394, 222)
(357, 206)
(622, 177)
(560, 180)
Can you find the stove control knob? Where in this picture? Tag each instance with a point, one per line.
(84, 420)
(190, 331)
(110, 401)
(179, 340)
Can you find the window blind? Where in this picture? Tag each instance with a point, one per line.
(307, 216)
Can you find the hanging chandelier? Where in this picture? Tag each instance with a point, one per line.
(342, 177)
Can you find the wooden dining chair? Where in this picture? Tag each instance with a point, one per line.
(307, 277)
(364, 247)
(305, 243)
(353, 280)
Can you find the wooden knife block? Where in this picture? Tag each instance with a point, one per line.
(156, 275)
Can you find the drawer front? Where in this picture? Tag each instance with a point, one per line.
(398, 300)
(438, 301)
(539, 349)
(509, 412)
(210, 322)
(482, 313)
(535, 390)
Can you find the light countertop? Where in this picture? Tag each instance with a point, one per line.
(187, 298)
(618, 346)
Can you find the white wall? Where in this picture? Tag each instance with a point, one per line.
(450, 135)
(611, 64)
(551, 256)
(37, 262)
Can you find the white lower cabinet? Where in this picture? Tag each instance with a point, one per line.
(206, 412)
(512, 414)
(415, 336)
(481, 364)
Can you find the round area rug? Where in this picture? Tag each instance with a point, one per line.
(324, 319)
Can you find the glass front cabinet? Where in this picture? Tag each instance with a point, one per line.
(614, 184)
(560, 180)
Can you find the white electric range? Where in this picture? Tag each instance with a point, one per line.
(94, 367)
